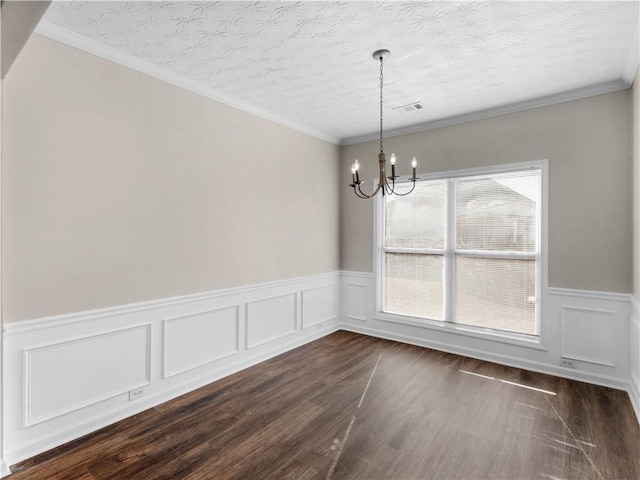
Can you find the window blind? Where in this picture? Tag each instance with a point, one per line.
(497, 212)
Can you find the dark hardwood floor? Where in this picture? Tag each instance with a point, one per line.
(355, 407)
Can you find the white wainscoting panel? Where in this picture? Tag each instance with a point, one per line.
(319, 305)
(176, 345)
(271, 318)
(595, 344)
(69, 375)
(634, 387)
(65, 376)
(191, 341)
(355, 301)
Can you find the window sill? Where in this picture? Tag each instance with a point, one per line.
(520, 340)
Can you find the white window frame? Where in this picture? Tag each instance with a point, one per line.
(533, 341)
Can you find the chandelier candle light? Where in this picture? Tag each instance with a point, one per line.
(383, 183)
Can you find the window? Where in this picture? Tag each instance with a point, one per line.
(465, 248)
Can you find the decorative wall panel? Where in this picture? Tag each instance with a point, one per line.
(587, 335)
(67, 376)
(191, 341)
(356, 301)
(270, 318)
(319, 304)
(634, 387)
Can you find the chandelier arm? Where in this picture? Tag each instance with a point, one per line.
(375, 191)
(392, 188)
(389, 188)
(357, 190)
(360, 193)
(406, 193)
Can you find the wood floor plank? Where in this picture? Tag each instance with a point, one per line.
(354, 407)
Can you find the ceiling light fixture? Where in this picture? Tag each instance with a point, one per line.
(383, 182)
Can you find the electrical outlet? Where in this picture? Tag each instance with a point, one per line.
(565, 362)
(136, 394)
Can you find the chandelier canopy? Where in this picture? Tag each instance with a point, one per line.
(383, 181)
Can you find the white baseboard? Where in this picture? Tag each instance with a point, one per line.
(167, 348)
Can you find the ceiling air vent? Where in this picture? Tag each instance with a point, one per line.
(410, 107)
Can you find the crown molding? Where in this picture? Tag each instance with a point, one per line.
(75, 40)
(93, 47)
(549, 100)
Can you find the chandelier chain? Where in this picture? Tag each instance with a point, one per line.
(381, 98)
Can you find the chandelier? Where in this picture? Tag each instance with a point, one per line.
(383, 183)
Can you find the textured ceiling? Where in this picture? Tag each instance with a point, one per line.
(309, 63)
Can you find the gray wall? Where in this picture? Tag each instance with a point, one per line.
(19, 18)
(120, 188)
(589, 146)
(636, 186)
